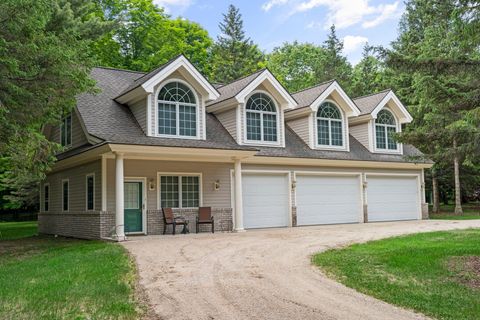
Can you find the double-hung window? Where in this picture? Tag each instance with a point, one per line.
(261, 118)
(329, 125)
(180, 191)
(177, 111)
(46, 197)
(90, 192)
(66, 131)
(385, 129)
(65, 195)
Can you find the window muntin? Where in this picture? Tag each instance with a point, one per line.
(261, 118)
(90, 192)
(385, 129)
(46, 197)
(177, 111)
(329, 125)
(66, 131)
(65, 195)
(179, 191)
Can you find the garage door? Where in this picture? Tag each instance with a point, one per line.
(327, 199)
(392, 198)
(265, 200)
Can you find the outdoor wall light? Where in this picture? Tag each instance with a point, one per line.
(216, 185)
(151, 184)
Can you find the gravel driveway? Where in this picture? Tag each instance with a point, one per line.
(262, 274)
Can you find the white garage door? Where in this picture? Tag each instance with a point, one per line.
(327, 199)
(265, 200)
(392, 198)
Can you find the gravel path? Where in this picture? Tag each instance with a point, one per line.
(262, 274)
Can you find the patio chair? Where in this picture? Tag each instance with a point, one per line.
(205, 217)
(170, 219)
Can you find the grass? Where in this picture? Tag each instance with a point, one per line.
(58, 278)
(16, 230)
(411, 271)
(471, 211)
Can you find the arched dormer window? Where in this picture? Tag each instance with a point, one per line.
(329, 125)
(385, 128)
(177, 110)
(261, 118)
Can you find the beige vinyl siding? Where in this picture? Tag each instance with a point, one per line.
(201, 106)
(78, 136)
(211, 172)
(77, 188)
(229, 120)
(301, 127)
(139, 110)
(360, 132)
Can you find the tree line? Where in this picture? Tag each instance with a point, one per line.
(48, 47)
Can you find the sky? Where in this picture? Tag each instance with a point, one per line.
(269, 23)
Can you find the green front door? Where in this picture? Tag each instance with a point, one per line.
(133, 206)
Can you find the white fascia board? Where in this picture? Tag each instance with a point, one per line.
(334, 86)
(181, 61)
(405, 117)
(266, 75)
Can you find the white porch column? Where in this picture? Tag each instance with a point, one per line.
(238, 196)
(119, 202)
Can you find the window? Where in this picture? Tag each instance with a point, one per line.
(46, 197)
(177, 111)
(90, 191)
(329, 125)
(385, 129)
(261, 118)
(66, 131)
(65, 195)
(179, 191)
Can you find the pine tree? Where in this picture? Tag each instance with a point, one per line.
(369, 74)
(234, 55)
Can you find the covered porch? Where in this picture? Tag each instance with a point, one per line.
(138, 181)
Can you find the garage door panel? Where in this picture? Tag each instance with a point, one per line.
(392, 198)
(265, 200)
(324, 199)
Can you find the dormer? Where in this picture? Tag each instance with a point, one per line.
(322, 115)
(252, 109)
(169, 102)
(382, 116)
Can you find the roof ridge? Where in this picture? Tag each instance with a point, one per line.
(119, 69)
(241, 78)
(371, 94)
(314, 86)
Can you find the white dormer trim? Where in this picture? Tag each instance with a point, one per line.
(242, 96)
(181, 61)
(345, 141)
(373, 130)
(405, 115)
(353, 109)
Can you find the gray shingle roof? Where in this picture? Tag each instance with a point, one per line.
(307, 96)
(367, 103)
(231, 89)
(112, 122)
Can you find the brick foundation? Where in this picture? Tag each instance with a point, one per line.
(84, 225)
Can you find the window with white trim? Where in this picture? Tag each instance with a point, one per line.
(385, 129)
(65, 195)
(329, 125)
(90, 192)
(66, 131)
(179, 191)
(261, 118)
(177, 111)
(46, 197)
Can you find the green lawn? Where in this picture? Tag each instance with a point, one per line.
(16, 230)
(431, 273)
(57, 278)
(470, 211)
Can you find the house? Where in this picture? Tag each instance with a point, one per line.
(258, 155)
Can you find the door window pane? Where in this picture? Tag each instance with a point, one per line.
(131, 200)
